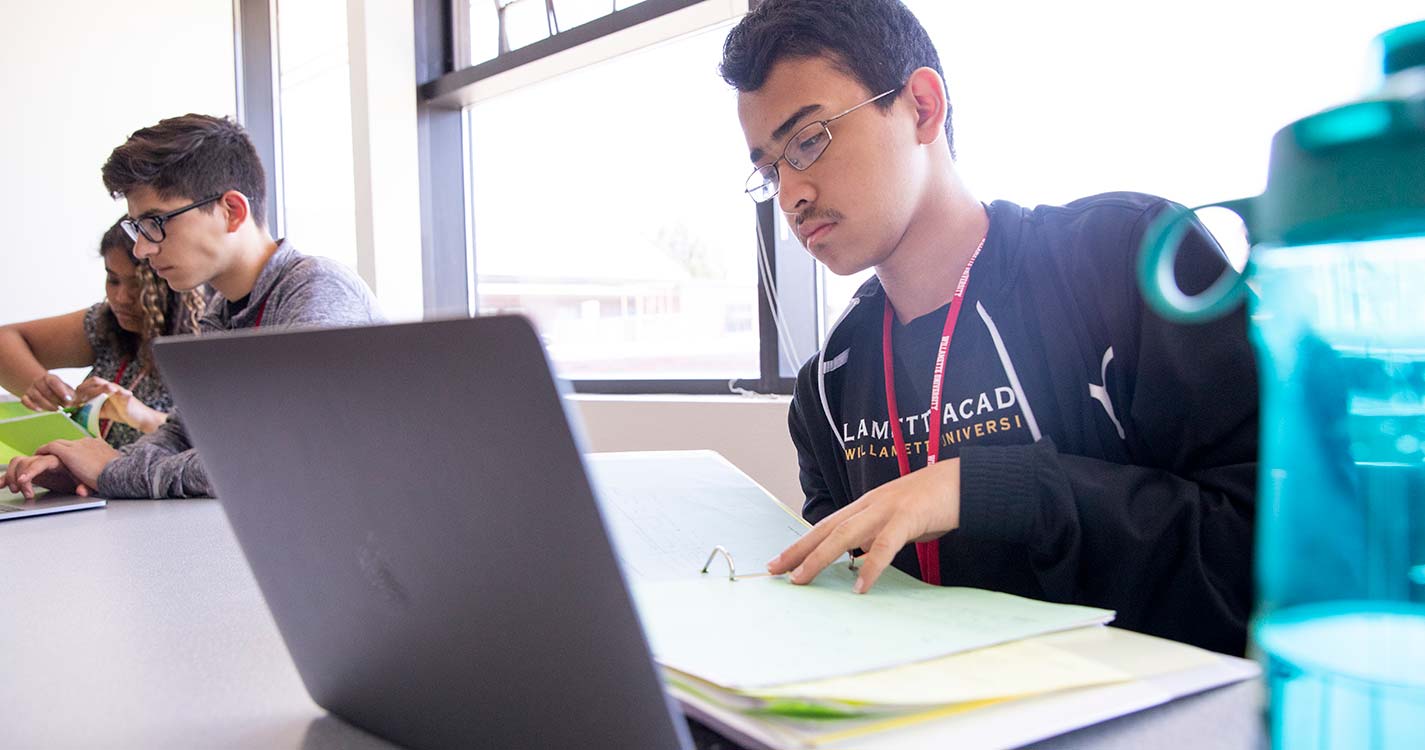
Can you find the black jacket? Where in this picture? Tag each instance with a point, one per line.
(1107, 456)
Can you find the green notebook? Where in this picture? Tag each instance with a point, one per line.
(10, 409)
(22, 435)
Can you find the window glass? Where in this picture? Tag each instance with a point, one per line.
(607, 206)
(314, 75)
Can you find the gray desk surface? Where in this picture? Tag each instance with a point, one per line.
(139, 625)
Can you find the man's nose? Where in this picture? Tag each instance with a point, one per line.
(796, 193)
(143, 248)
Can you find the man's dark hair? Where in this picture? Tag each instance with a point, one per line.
(193, 156)
(877, 42)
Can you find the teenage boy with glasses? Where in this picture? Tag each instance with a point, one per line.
(996, 408)
(195, 190)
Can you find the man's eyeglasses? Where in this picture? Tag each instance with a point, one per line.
(802, 150)
(151, 227)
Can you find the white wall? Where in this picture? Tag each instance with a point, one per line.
(749, 432)
(76, 78)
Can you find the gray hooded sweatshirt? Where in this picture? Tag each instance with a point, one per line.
(293, 291)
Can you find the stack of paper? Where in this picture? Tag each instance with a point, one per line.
(780, 665)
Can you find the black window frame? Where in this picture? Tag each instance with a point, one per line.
(448, 253)
(444, 90)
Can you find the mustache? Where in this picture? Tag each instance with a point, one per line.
(799, 218)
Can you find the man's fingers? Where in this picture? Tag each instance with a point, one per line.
(882, 553)
(45, 471)
(23, 485)
(850, 534)
(55, 448)
(793, 556)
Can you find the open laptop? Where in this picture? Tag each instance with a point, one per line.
(414, 507)
(14, 506)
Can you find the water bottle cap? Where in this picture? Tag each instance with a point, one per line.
(1402, 48)
(1352, 172)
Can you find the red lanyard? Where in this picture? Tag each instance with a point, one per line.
(927, 552)
(106, 424)
(119, 376)
(262, 308)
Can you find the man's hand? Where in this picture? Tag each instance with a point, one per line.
(47, 393)
(84, 459)
(918, 507)
(62, 466)
(27, 472)
(121, 406)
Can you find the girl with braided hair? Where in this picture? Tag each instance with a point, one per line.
(115, 337)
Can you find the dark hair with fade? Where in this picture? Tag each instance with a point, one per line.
(192, 156)
(877, 42)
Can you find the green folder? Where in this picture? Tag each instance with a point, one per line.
(22, 435)
(10, 409)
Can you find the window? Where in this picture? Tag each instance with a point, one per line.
(606, 205)
(590, 212)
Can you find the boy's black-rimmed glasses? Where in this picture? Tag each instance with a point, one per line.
(151, 227)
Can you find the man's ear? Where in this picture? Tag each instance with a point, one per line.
(927, 92)
(236, 209)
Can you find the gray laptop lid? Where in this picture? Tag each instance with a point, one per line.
(414, 507)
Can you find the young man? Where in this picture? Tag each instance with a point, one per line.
(195, 190)
(1088, 450)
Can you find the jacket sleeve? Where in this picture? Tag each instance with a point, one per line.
(159, 465)
(1166, 540)
(804, 420)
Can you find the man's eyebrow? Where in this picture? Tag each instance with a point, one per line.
(785, 128)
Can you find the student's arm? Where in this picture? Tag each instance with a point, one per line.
(1171, 553)
(29, 350)
(161, 465)
(818, 503)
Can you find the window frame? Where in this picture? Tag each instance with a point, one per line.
(448, 252)
(258, 105)
(445, 90)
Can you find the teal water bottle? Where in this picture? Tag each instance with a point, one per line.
(1335, 285)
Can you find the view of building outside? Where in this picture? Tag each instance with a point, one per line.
(608, 206)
